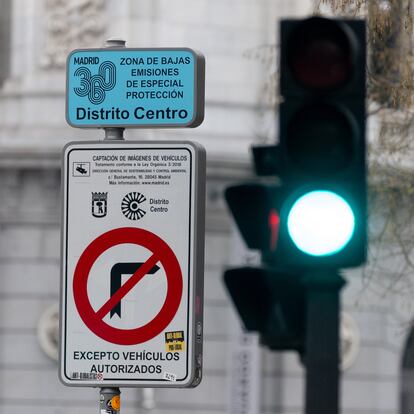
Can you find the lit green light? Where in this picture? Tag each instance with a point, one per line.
(321, 223)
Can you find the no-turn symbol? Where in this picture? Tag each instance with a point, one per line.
(160, 253)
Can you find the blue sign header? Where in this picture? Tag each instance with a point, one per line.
(147, 88)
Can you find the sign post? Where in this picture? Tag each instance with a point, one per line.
(133, 223)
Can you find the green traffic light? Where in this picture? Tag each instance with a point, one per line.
(321, 223)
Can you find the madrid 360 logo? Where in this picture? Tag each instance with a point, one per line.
(96, 86)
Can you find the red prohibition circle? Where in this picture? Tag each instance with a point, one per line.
(161, 252)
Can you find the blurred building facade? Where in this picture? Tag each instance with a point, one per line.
(238, 40)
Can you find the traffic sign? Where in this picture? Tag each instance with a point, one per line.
(132, 264)
(160, 252)
(148, 88)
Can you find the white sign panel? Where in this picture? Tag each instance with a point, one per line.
(132, 264)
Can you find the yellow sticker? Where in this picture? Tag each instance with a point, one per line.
(115, 403)
(174, 341)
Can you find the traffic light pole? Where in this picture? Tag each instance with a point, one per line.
(322, 341)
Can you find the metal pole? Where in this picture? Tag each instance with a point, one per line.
(110, 400)
(322, 341)
(114, 134)
(115, 42)
(110, 397)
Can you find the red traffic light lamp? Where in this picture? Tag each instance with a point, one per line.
(321, 53)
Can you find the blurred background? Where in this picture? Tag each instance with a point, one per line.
(239, 39)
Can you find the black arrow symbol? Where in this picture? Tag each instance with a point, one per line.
(119, 269)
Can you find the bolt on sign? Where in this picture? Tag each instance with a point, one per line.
(132, 268)
(144, 88)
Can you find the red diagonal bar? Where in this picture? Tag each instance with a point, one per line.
(126, 287)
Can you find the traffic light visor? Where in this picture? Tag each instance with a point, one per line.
(320, 223)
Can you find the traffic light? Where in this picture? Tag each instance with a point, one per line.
(321, 155)
(255, 209)
(321, 150)
(270, 302)
(310, 221)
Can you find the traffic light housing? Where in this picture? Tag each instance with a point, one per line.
(321, 155)
(312, 219)
(321, 151)
(270, 302)
(255, 209)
